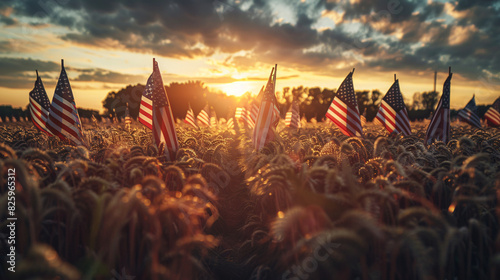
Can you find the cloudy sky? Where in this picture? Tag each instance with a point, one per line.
(231, 45)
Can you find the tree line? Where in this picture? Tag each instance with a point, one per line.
(314, 102)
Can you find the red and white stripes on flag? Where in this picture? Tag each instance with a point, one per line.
(439, 127)
(163, 120)
(493, 114)
(189, 119)
(39, 106)
(469, 113)
(269, 115)
(203, 118)
(292, 118)
(392, 112)
(146, 107)
(230, 123)
(64, 121)
(344, 110)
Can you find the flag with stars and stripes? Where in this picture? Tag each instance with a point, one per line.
(392, 112)
(163, 121)
(344, 110)
(39, 106)
(146, 107)
(64, 121)
(268, 116)
(203, 117)
(292, 118)
(469, 113)
(189, 119)
(439, 127)
(493, 114)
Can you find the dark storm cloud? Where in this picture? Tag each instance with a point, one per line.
(394, 34)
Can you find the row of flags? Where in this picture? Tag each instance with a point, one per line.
(60, 118)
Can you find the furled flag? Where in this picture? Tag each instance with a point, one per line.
(39, 106)
(64, 121)
(439, 127)
(146, 107)
(493, 114)
(269, 115)
(392, 112)
(128, 119)
(189, 119)
(163, 120)
(213, 117)
(203, 117)
(344, 110)
(292, 118)
(469, 113)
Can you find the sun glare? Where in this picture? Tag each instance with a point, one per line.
(239, 88)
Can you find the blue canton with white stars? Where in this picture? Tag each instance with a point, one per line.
(394, 98)
(472, 105)
(159, 94)
(63, 88)
(496, 105)
(148, 91)
(346, 93)
(445, 99)
(39, 95)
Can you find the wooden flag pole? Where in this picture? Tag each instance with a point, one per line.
(449, 70)
(353, 70)
(36, 74)
(62, 63)
(395, 78)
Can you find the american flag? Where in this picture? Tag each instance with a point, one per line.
(128, 119)
(189, 119)
(268, 116)
(64, 121)
(392, 112)
(469, 113)
(344, 110)
(39, 106)
(163, 120)
(230, 123)
(493, 114)
(292, 118)
(439, 127)
(146, 108)
(203, 117)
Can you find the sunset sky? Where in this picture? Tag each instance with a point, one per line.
(232, 45)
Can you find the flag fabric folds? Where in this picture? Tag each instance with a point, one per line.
(146, 107)
(344, 110)
(163, 121)
(469, 113)
(268, 116)
(439, 127)
(203, 118)
(39, 106)
(292, 118)
(493, 114)
(189, 119)
(392, 112)
(230, 123)
(213, 117)
(64, 121)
